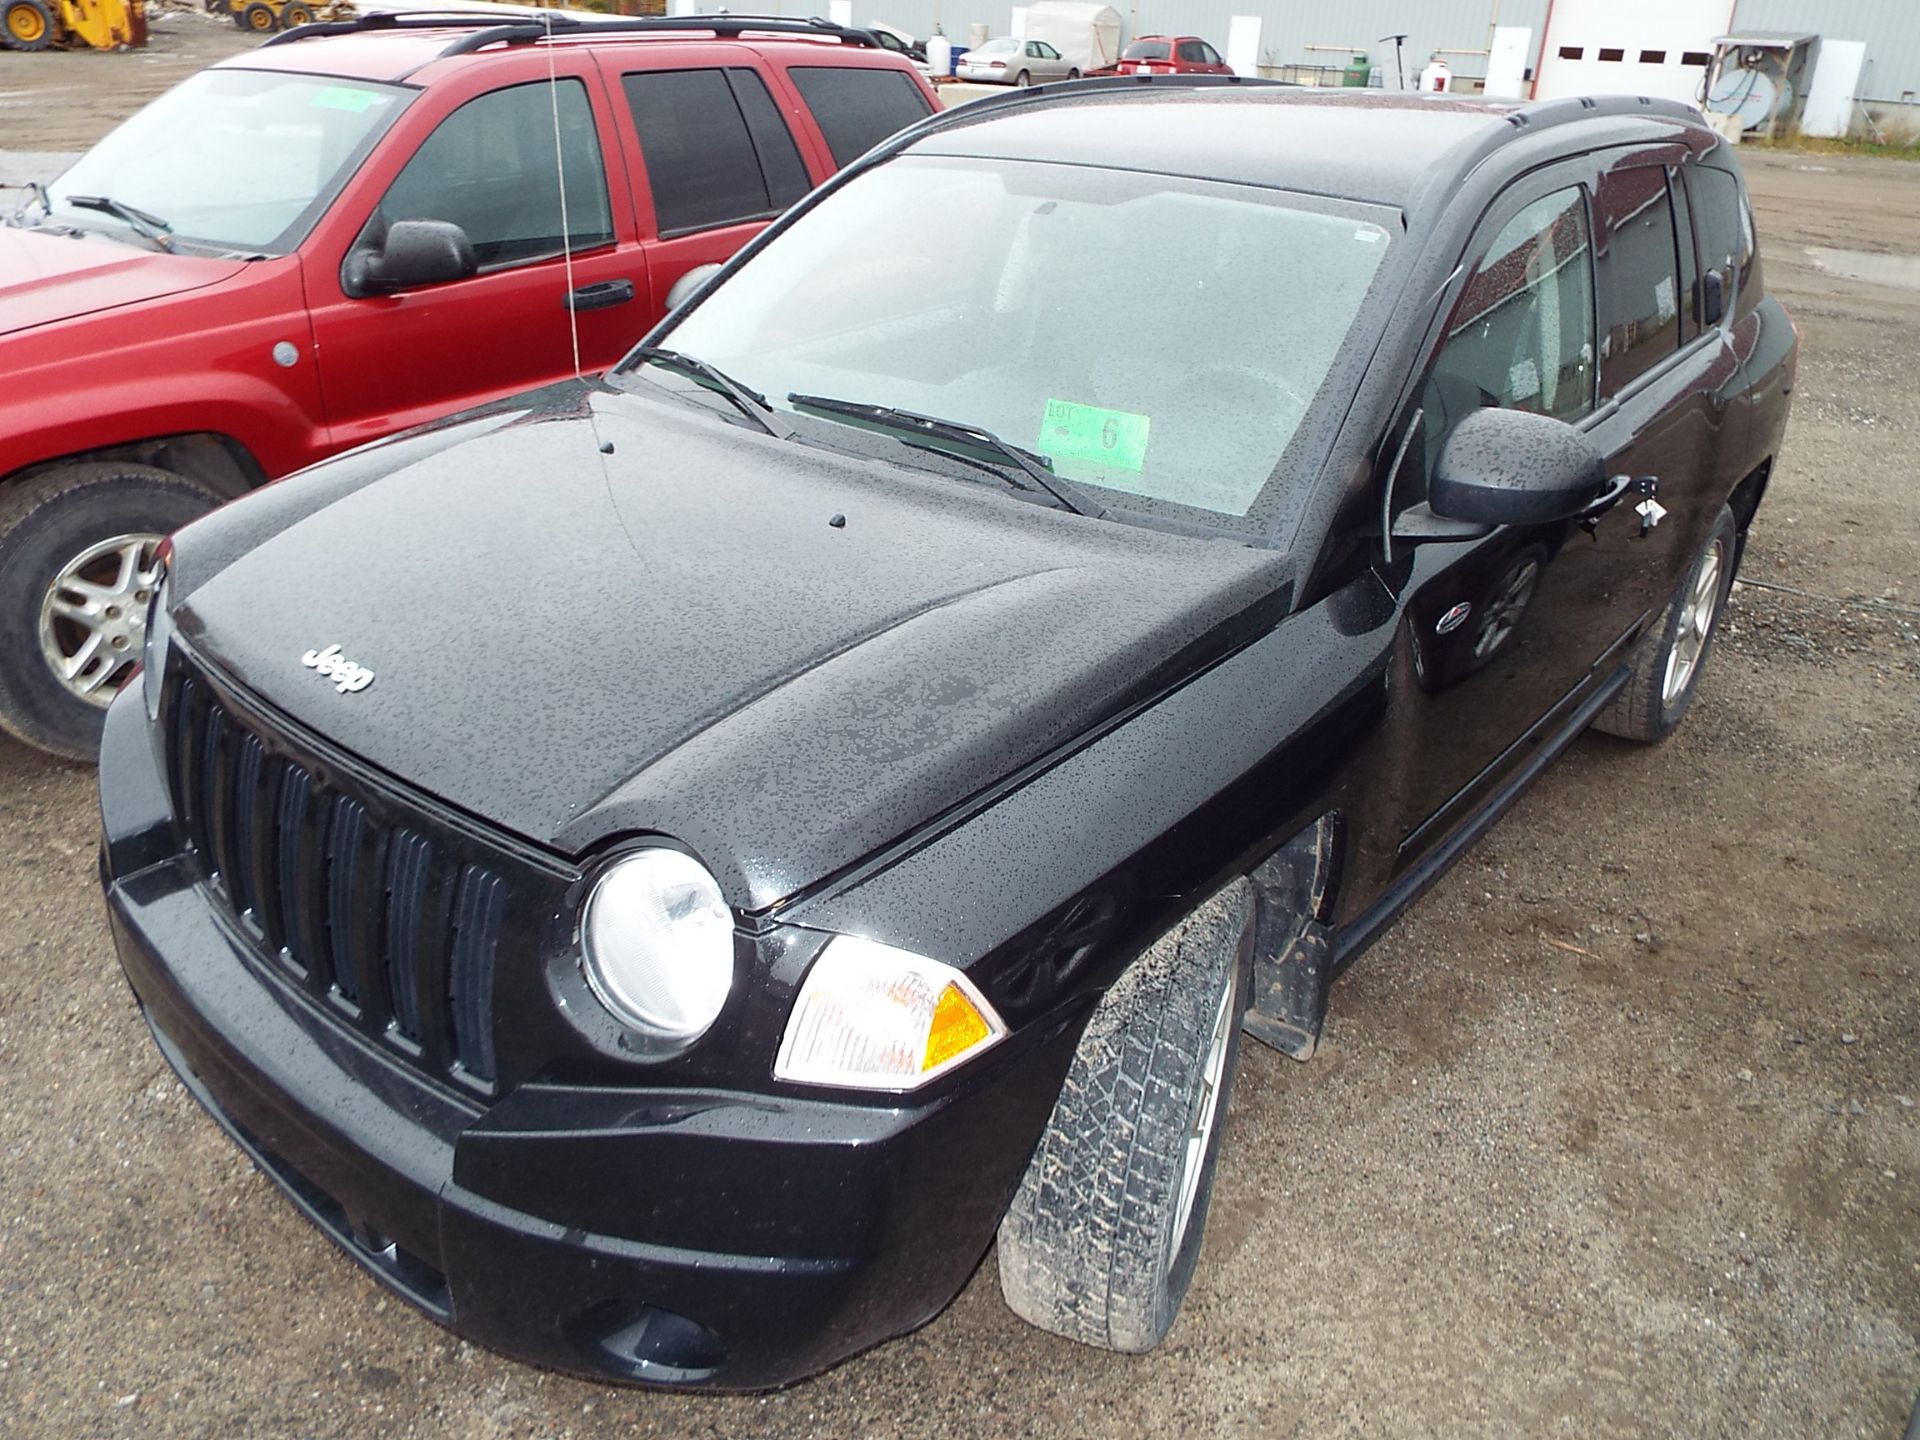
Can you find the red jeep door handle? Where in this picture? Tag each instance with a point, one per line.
(600, 296)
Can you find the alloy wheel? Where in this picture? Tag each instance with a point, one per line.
(93, 621)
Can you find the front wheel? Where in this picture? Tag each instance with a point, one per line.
(29, 25)
(1666, 670)
(1073, 74)
(77, 573)
(1100, 1242)
(296, 13)
(258, 18)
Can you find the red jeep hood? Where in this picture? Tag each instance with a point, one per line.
(45, 277)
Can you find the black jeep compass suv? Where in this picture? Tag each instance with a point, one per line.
(665, 870)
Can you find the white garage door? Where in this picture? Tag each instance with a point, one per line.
(1630, 47)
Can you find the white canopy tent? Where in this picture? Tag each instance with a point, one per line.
(1087, 33)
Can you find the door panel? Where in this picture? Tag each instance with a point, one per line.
(389, 361)
(1506, 630)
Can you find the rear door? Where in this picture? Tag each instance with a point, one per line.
(715, 158)
(490, 163)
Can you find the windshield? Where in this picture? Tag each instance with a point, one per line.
(233, 159)
(1145, 50)
(1156, 337)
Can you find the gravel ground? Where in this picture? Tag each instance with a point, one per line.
(1616, 1134)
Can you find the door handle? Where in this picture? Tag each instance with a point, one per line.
(600, 296)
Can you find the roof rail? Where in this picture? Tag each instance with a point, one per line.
(515, 30)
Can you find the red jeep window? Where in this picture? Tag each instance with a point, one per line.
(491, 169)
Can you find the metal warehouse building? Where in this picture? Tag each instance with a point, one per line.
(1571, 46)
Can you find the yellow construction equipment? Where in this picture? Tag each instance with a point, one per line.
(102, 24)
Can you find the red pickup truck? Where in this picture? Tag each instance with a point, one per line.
(352, 230)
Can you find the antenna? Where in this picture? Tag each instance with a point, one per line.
(566, 224)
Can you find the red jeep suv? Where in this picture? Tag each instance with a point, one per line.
(357, 228)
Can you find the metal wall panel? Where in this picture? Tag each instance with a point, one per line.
(1890, 28)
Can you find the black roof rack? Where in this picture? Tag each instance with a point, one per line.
(497, 29)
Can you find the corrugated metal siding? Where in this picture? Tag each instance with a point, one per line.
(1287, 27)
(1890, 28)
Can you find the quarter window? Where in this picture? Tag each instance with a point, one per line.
(491, 169)
(1721, 222)
(1521, 337)
(1639, 286)
(715, 148)
(858, 108)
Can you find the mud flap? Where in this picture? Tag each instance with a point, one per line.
(1292, 960)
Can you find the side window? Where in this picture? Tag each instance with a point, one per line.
(1521, 336)
(858, 108)
(715, 147)
(1639, 288)
(1720, 219)
(1193, 52)
(1210, 55)
(1689, 259)
(490, 168)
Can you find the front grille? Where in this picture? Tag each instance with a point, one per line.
(387, 923)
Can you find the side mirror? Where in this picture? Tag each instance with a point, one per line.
(684, 287)
(1713, 297)
(1508, 467)
(414, 253)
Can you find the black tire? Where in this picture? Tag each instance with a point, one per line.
(28, 25)
(258, 18)
(295, 13)
(1023, 80)
(46, 522)
(1073, 74)
(1091, 1247)
(1644, 709)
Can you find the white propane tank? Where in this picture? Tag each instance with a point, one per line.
(1437, 76)
(939, 53)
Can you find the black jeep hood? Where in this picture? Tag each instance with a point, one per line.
(673, 638)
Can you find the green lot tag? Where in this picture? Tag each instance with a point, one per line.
(1086, 432)
(344, 97)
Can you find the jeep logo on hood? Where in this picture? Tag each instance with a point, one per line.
(347, 677)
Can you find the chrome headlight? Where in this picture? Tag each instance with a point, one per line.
(154, 649)
(658, 939)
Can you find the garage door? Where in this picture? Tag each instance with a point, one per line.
(1630, 47)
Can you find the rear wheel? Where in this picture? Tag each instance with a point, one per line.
(1023, 80)
(1666, 671)
(29, 25)
(258, 18)
(77, 572)
(296, 13)
(1100, 1242)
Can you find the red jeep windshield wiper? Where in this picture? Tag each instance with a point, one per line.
(152, 227)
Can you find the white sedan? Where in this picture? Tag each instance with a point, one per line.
(1014, 62)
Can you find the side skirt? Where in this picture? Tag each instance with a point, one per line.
(1350, 940)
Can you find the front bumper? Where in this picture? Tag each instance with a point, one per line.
(803, 1230)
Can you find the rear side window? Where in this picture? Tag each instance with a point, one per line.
(1639, 281)
(858, 108)
(1726, 244)
(715, 147)
(1521, 337)
(1193, 52)
(491, 169)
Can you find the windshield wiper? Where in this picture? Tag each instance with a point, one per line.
(750, 403)
(954, 432)
(150, 226)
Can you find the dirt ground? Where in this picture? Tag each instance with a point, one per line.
(1616, 1134)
